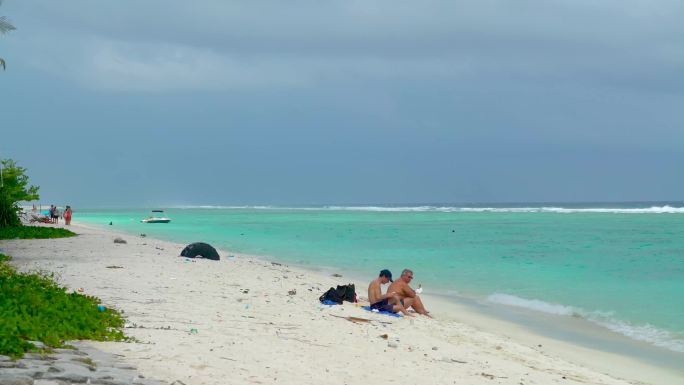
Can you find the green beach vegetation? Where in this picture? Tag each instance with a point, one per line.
(33, 307)
(14, 187)
(8, 211)
(34, 232)
(15, 182)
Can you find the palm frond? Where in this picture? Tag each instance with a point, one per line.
(5, 25)
(2, 63)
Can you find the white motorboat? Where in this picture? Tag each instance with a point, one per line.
(156, 217)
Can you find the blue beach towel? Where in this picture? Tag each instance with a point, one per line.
(383, 312)
(329, 302)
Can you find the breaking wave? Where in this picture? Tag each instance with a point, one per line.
(532, 304)
(645, 333)
(562, 210)
(219, 207)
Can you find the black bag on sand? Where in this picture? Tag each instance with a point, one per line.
(332, 296)
(342, 293)
(349, 292)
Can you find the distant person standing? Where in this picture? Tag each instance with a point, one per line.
(52, 213)
(57, 213)
(67, 215)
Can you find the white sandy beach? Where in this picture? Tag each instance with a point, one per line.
(233, 322)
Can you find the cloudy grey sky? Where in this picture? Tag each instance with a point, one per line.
(307, 102)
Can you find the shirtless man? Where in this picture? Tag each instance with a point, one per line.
(390, 301)
(407, 296)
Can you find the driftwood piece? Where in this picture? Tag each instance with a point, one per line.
(359, 320)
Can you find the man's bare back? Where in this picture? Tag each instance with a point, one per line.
(375, 291)
(387, 302)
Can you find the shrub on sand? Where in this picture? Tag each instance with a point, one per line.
(33, 307)
(34, 232)
(8, 210)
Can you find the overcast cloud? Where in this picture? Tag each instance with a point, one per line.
(127, 102)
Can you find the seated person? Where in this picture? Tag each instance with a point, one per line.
(40, 219)
(407, 296)
(387, 302)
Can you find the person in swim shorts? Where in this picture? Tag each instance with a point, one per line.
(53, 214)
(407, 296)
(384, 302)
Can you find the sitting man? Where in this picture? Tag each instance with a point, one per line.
(407, 296)
(387, 302)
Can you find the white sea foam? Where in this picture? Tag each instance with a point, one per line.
(532, 304)
(382, 208)
(219, 207)
(646, 333)
(647, 210)
(561, 210)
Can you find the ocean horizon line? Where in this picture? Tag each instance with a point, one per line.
(434, 206)
(647, 209)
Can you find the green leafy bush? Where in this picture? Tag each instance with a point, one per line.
(33, 307)
(13, 189)
(16, 182)
(8, 210)
(34, 232)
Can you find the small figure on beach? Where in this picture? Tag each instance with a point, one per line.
(67, 215)
(407, 296)
(389, 301)
(54, 215)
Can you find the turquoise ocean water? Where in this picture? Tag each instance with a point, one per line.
(619, 266)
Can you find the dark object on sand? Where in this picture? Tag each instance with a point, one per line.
(119, 240)
(200, 249)
(342, 293)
